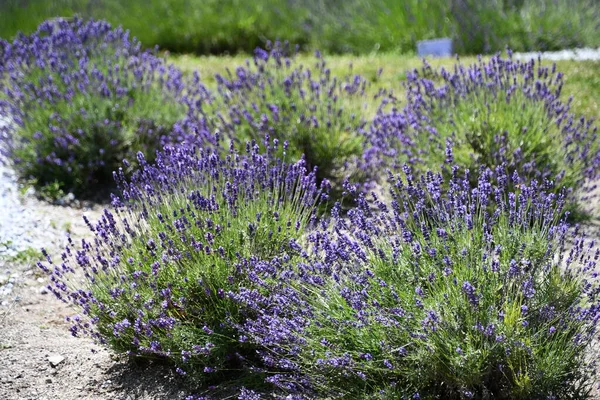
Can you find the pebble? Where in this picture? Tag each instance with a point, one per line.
(55, 359)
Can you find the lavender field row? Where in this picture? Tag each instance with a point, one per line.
(300, 226)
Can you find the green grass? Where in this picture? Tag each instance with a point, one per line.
(25, 256)
(360, 26)
(582, 78)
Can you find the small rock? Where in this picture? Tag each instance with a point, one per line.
(43, 290)
(66, 200)
(55, 359)
(40, 280)
(48, 380)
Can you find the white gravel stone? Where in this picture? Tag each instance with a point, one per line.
(584, 54)
(55, 359)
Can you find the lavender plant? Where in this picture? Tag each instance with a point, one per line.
(83, 96)
(434, 296)
(317, 113)
(497, 113)
(155, 281)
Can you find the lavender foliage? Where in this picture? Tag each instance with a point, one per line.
(158, 277)
(466, 284)
(318, 114)
(500, 112)
(432, 295)
(84, 96)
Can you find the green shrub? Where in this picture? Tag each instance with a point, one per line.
(84, 98)
(334, 26)
(163, 268)
(499, 114)
(108, 130)
(312, 112)
(431, 296)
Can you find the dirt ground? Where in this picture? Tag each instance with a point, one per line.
(39, 359)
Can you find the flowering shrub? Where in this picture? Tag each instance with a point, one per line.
(501, 112)
(318, 114)
(433, 296)
(83, 97)
(160, 272)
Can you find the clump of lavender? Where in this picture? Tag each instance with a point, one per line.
(435, 296)
(157, 279)
(318, 114)
(84, 96)
(497, 113)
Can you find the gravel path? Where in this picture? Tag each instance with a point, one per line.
(25, 222)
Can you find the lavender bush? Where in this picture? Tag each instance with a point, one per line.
(84, 97)
(156, 280)
(318, 114)
(497, 113)
(432, 296)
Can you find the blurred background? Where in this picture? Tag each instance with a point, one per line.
(333, 26)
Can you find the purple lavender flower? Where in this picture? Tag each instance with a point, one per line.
(84, 96)
(170, 266)
(492, 115)
(389, 311)
(310, 109)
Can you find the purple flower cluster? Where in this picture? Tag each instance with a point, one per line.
(316, 112)
(83, 96)
(159, 276)
(489, 296)
(501, 112)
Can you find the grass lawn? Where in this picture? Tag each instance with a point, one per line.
(582, 78)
